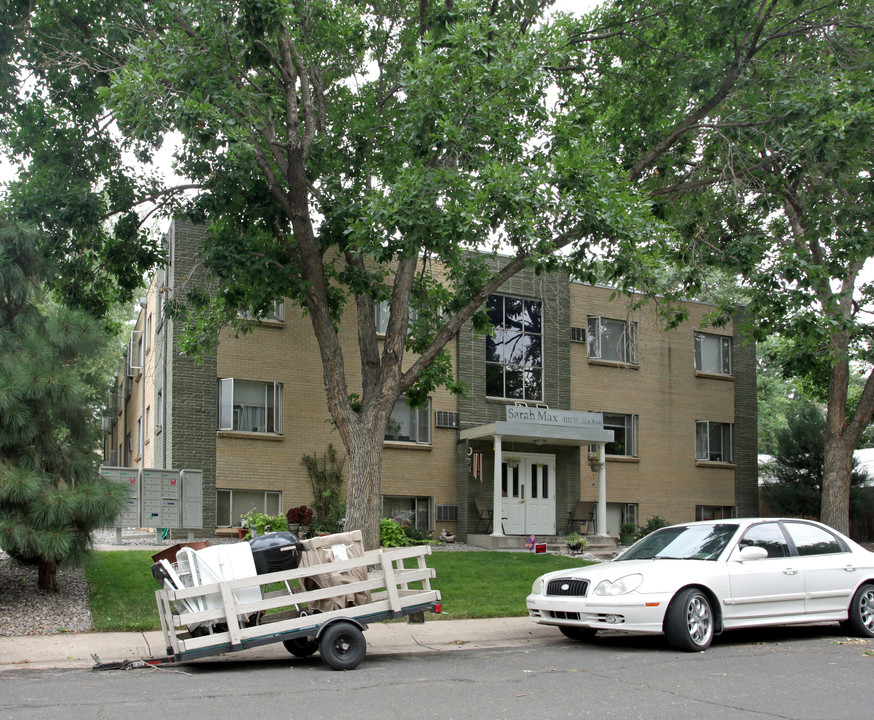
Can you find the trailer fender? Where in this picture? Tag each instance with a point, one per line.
(361, 626)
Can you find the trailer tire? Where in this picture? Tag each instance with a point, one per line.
(342, 646)
(301, 647)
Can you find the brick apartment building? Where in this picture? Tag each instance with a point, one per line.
(576, 397)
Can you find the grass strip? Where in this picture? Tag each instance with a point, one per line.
(472, 584)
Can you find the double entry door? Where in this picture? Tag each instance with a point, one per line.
(528, 494)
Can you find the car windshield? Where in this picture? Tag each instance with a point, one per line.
(683, 542)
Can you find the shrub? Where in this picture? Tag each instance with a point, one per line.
(651, 525)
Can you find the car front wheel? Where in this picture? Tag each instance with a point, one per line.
(689, 622)
(860, 618)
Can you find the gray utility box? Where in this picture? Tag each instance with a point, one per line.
(162, 498)
(130, 477)
(192, 498)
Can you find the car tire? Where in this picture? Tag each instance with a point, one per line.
(342, 646)
(860, 615)
(573, 632)
(301, 646)
(689, 622)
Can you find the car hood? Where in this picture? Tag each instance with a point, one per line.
(657, 574)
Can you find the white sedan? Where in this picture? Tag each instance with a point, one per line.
(693, 581)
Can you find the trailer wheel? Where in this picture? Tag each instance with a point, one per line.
(301, 647)
(342, 646)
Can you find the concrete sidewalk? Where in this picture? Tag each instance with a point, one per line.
(74, 650)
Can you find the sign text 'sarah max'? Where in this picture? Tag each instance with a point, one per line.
(548, 416)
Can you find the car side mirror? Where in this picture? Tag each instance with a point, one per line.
(751, 552)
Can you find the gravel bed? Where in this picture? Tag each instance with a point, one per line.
(26, 610)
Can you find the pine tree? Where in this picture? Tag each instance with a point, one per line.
(798, 465)
(51, 496)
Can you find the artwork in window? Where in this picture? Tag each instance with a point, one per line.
(712, 354)
(514, 350)
(250, 406)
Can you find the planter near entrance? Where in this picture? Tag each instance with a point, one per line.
(627, 533)
(576, 543)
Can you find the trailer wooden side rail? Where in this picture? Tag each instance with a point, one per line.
(223, 617)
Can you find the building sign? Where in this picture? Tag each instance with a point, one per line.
(563, 418)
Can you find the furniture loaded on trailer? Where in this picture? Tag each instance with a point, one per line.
(312, 595)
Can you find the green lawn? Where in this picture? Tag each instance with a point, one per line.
(472, 585)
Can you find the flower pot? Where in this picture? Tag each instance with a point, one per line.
(626, 539)
(241, 533)
(294, 528)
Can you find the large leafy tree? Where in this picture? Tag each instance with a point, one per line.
(342, 147)
(51, 496)
(770, 176)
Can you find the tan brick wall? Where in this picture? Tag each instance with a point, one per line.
(665, 393)
(288, 353)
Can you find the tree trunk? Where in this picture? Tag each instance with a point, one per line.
(364, 464)
(48, 575)
(841, 438)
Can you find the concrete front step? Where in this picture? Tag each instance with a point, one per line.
(604, 547)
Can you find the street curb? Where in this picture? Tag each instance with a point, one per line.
(75, 650)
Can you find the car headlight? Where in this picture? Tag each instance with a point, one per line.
(537, 587)
(619, 587)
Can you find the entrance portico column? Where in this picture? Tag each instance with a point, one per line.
(602, 490)
(497, 525)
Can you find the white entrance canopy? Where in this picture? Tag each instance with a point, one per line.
(543, 426)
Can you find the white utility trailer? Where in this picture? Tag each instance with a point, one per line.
(322, 605)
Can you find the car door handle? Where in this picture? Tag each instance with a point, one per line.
(790, 571)
(850, 568)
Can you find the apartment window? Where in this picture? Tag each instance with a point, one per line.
(139, 437)
(250, 406)
(514, 350)
(382, 314)
(275, 314)
(135, 352)
(149, 331)
(713, 441)
(714, 512)
(413, 510)
(624, 429)
(147, 428)
(712, 354)
(408, 424)
(230, 505)
(159, 411)
(612, 340)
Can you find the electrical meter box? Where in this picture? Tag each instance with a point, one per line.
(130, 477)
(192, 498)
(161, 492)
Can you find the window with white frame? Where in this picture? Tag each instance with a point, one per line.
(230, 505)
(250, 406)
(382, 313)
(713, 441)
(159, 411)
(275, 314)
(612, 340)
(408, 424)
(415, 511)
(712, 354)
(514, 350)
(624, 429)
(148, 428)
(139, 437)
